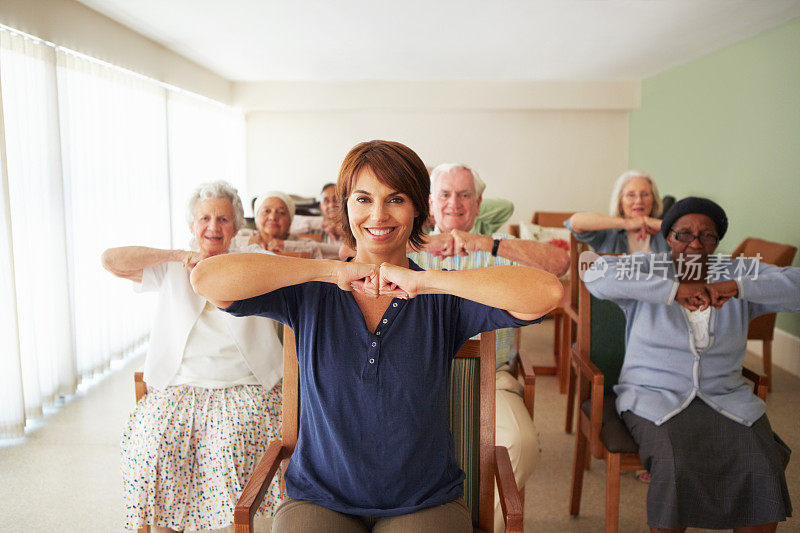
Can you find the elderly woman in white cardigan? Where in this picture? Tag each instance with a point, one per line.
(214, 384)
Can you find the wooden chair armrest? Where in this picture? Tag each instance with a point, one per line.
(253, 493)
(586, 370)
(760, 382)
(521, 366)
(584, 366)
(513, 230)
(571, 312)
(510, 501)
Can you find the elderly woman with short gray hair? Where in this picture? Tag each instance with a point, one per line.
(214, 384)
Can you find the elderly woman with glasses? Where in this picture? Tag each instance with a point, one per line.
(214, 384)
(632, 225)
(702, 433)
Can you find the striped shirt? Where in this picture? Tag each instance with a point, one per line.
(505, 337)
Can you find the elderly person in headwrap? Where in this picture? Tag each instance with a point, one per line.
(702, 433)
(274, 212)
(214, 384)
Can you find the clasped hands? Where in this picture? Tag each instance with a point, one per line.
(697, 295)
(457, 242)
(643, 226)
(378, 280)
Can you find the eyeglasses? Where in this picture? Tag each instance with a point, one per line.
(687, 237)
(631, 195)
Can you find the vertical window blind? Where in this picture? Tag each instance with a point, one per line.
(92, 157)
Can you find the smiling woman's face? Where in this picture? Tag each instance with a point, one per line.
(637, 198)
(381, 218)
(213, 225)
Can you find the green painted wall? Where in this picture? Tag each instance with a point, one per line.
(727, 126)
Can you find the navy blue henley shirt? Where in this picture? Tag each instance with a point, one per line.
(374, 437)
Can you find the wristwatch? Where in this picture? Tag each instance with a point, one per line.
(495, 247)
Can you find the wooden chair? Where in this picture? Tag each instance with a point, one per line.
(313, 236)
(598, 358)
(763, 327)
(474, 367)
(555, 219)
(570, 326)
(520, 368)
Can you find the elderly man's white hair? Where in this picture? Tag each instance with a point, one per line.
(444, 168)
(216, 189)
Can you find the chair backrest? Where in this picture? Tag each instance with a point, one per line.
(471, 411)
(313, 236)
(550, 219)
(601, 334)
(607, 348)
(576, 248)
(772, 253)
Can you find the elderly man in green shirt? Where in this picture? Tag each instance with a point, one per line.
(456, 244)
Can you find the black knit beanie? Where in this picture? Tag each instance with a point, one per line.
(693, 204)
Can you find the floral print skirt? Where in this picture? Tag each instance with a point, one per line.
(187, 453)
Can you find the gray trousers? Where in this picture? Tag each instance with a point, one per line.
(301, 516)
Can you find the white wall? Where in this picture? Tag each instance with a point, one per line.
(560, 149)
(72, 25)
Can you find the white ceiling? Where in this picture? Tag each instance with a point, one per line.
(345, 40)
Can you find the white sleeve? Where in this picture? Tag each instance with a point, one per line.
(152, 278)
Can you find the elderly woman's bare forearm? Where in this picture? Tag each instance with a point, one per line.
(129, 261)
(588, 221)
(226, 278)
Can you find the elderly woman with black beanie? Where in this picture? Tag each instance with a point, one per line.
(702, 433)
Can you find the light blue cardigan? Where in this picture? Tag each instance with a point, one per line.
(663, 372)
(613, 240)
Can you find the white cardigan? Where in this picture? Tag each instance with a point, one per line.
(177, 311)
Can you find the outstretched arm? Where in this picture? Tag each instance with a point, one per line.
(129, 261)
(583, 222)
(223, 279)
(525, 252)
(526, 293)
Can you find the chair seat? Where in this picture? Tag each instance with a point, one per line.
(613, 434)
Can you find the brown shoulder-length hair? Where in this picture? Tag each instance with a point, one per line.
(394, 165)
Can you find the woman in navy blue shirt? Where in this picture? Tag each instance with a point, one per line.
(375, 339)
